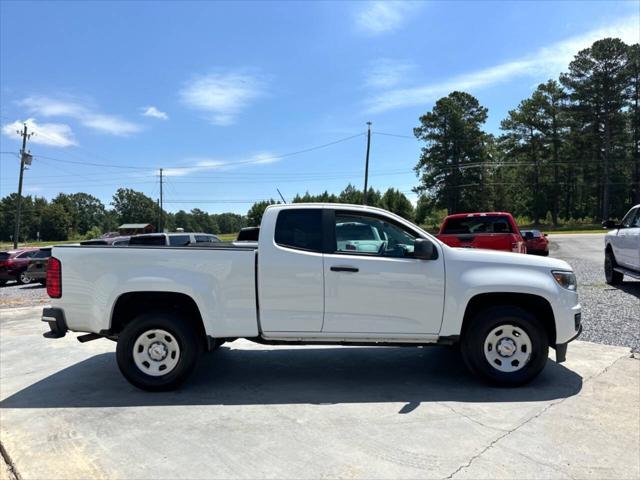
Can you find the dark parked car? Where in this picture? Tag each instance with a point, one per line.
(14, 263)
(37, 269)
(537, 243)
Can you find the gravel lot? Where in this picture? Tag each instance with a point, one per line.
(611, 315)
(14, 295)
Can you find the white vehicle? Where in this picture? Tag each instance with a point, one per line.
(307, 283)
(180, 239)
(622, 247)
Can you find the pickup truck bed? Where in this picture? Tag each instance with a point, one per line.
(314, 278)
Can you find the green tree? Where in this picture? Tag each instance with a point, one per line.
(134, 207)
(230, 222)
(56, 223)
(451, 165)
(598, 80)
(254, 215)
(85, 211)
(633, 105)
(525, 145)
(395, 201)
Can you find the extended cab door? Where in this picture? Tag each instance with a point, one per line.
(290, 271)
(372, 282)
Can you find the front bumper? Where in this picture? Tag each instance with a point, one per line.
(561, 348)
(57, 323)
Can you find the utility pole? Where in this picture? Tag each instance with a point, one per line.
(23, 156)
(160, 227)
(366, 165)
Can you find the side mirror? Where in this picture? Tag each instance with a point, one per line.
(528, 235)
(423, 249)
(546, 234)
(610, 224)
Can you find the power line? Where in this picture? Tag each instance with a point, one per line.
(394, 135)
(244, 162)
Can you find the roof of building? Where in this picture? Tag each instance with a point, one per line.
(134, 225)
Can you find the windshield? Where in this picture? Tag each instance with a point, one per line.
(479, 224)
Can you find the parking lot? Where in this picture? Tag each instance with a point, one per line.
(310, 412)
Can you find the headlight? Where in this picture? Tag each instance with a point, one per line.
(566, 280)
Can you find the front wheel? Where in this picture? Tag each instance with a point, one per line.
(158, 351)
(505, 346)
(611, 276)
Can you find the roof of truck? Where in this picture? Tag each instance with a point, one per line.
(477, 214)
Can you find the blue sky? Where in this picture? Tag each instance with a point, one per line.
(219, 93)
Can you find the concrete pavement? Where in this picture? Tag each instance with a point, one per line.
(309, 412)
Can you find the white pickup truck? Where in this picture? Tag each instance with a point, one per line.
(622, 247)
(319, 274)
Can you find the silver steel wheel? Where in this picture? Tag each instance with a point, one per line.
(508, 348)
(25, 278)
(156, 352)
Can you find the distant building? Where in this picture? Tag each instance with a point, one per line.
(136, 228)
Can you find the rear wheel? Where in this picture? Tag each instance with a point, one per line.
(158, 351)
(24, 278)
(611, 276)
(505, 346)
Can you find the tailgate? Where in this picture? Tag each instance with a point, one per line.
(490, 241)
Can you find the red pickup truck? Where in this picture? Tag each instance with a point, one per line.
(490, 230)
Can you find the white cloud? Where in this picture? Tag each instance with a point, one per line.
(153, 112)
(207, 164)
(547, 62)
(87, 116)
(387, 73)
(379, 17)
(51, 134)
(222, 96)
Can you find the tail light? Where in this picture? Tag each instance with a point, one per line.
(518, 247)
(54, 278)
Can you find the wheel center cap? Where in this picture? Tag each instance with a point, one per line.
(506, 347)
(157, 351)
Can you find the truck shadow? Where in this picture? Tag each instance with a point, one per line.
(286, 375)
(630, 287)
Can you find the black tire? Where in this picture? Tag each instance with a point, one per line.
(3, 283)
(190, 345)
(611, 276)
(482, 324)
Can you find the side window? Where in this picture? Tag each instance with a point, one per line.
(372, 236)
(179, 240)
(628, 219)
(28, 254)
(636, 222)
(206, 239)
(300, 228)
(42, 254)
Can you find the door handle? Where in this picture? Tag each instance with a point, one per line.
(344, 269)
